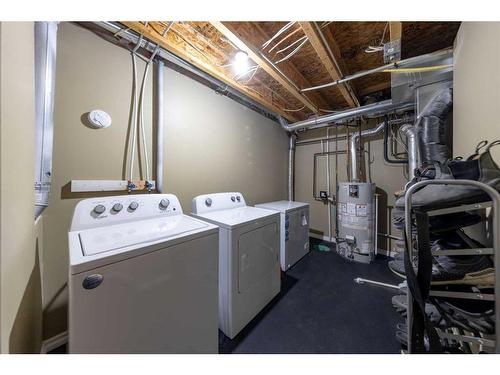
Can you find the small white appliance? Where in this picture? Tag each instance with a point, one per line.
(249, 273)
(294, 228)
(143, 277)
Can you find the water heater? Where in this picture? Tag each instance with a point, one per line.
(356, 221)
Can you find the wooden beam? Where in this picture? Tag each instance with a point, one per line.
(395, 30)
(321, 49)
(263, 62)
(374, 88)
(291, 70)
(195, 58)
(395, 33)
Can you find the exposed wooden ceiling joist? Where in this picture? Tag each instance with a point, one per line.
(395, 30)
(263, 62)
(396, 33)
(324, 55)
(287, 67)
(201, 63)
(380, 86)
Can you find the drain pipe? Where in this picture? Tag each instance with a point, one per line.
(291, 166)
(353, 147)
(158, 97)
(411, 133)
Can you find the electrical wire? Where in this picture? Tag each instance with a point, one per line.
(294, 110)
(293, 52)
(280, 31)
(241, 75)
(285, 38)
(291, 45)
(380, 47)
(327, 110)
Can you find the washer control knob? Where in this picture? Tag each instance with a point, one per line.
(238, 198)
(133, 206)
(233, 198)
(164, 204)
(117, 207)
(208, 202)
(99, 209)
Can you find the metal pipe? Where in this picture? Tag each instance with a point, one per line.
(360, 280)
(332, 57)
(45, 77)
(159, 68)
(386, 146)
(322, 121)
(318, 140)
(291, 166)
(399, 64)
(411, 133)
(328, 186)
(353, 149)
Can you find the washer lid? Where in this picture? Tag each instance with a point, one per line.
(99, 240)
(236, 216)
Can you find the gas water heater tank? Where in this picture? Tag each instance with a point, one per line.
(356, 218)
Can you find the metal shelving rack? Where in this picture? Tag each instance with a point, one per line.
(495, 204)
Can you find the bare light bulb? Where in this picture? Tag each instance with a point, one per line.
(241, 62)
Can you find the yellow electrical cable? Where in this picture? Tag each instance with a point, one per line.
(417, 70)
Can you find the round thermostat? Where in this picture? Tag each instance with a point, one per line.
(99, 119)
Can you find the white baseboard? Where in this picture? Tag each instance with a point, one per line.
(54, 342)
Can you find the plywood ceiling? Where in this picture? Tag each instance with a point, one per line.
(329, 51)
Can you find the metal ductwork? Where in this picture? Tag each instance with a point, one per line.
(291, 167)
(412, 141)
(378, 108)
(432, 126)
(353, 147)
(45, 77)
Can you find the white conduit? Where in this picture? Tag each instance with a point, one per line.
(280, 31)
(141, 120)
(138, 108)
(133, 128)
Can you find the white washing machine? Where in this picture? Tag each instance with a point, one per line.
(294, 229)
(143, 277)
(249, 273)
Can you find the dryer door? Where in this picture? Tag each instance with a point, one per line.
(258, 254)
